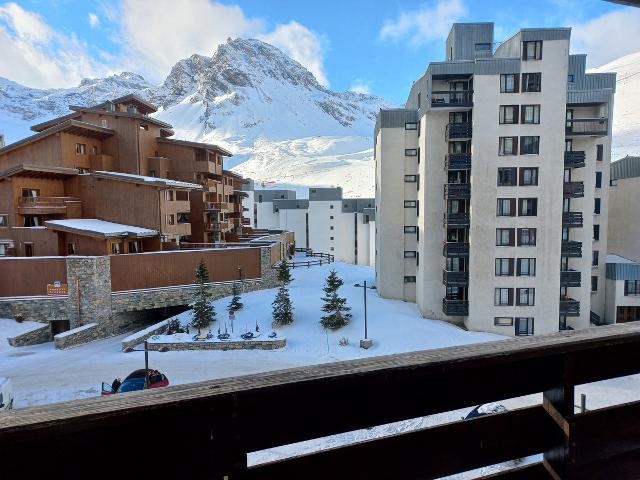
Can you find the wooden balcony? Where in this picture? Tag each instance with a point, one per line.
(210, 167)
(455, 249)
(455, 279)
(457, 191)
(220, 421)
(571, 249)
(573, 189)
(569, 307)
(456, 220)
(572, 219)
(45, 205)
(570, 278)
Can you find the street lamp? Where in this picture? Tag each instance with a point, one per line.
(146, 359)
(365, 343)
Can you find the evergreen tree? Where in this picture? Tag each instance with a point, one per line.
(235, 303)
(282, 309)
(335, 306)
(203, 311)
(284, 273)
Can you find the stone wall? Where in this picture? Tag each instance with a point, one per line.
(36, 309)
(139, 337)
(77, 336)
(93, 277)
(33, 337)
(218, 345)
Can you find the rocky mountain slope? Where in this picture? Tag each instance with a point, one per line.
(281, 124)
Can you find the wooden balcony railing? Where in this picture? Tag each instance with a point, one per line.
(46, 201)
(220, 421)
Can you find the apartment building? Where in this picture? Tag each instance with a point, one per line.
(323, 222)
(491, 185)
(116, 163)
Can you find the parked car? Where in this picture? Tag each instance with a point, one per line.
(6, 394)
(136, 381)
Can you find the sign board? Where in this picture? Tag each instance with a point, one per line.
(57, 288)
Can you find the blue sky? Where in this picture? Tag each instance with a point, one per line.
(370, 46)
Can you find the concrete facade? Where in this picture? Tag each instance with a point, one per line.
(438, 218)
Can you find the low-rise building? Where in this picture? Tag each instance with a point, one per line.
(624, 214)
(622, 290)
(323, 222)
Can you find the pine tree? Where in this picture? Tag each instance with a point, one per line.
(203, 311)
(335, 306)
(235, 303)
(284, 273)
(282, 308)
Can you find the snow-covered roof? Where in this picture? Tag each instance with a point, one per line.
(613, 258)
(162, 182)
(95, 227)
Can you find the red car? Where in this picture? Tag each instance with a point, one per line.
(136, 381)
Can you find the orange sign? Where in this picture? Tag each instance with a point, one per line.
(57, 288)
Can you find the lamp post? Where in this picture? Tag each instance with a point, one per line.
(365, 343)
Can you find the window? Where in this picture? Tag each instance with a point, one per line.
(410, 126)
(331, 227)
(419, 102)
(410, 204)
(526, 296)
(410, 152)
(4, 220)
(503, 321)
(594, 258)
(509, 83)
(526, 267)
(529, 145)
(182, 217)
(506, 207)
(508, 146)
(528, 176)
(31, 221)
(631, 287)
(152, 173)
(524, 326)
(331, 249)
(532, 50)
(94, 150)
(116, 248)
(71, 248)
(330, 238)
(134, 246)
(170, 219)
(82, 170)
(81, 149)
(503, 297)
(531, 82)
(168, 195)
(411, 178)
(505, 237)
(103, 122)
(504, 267)
(599, 152)
(530, 114)
(507, 177)
(508, 114)
(596, 232)
(570, 78)
(331, 207)
(596, 206)
(182, 195)
(483, 47)
(410, 229)
(330, 217)
(410, 254)
(409, 279)
(144, 126)
(598, 179)
(594, 283)
(527, 207)
(526, 237)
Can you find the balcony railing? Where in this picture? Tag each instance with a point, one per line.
(455, 279)
(572, 219)
(456, 219)
(455, 249)
(457, 191)
(44, 205)
(219, 422)
(596, 127)
(570, 278)
(571, 249)
(451, 98)
(455, 307)
(569, 307)
(595, 319)
(573, 189)
(458, 131)
(574, 159)
(457, 161)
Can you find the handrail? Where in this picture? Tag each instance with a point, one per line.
(50, 200)
(220, 421)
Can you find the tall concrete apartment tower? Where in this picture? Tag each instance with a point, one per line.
(492, 185)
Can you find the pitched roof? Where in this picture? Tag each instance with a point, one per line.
(29, 170)
(143, 106)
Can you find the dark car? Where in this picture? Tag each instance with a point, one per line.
(136, 381)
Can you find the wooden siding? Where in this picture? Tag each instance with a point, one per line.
(47, 151)
(30, 276)
(155, 270)
(45, 241)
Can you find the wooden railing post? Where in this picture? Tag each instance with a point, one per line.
(559, 403)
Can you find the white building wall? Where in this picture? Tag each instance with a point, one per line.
(294, 220)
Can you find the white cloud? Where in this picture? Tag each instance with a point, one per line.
(36, 55)
(94, 20)
(302, 45)
(425, 24)
(607, 37)
(360, 85)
